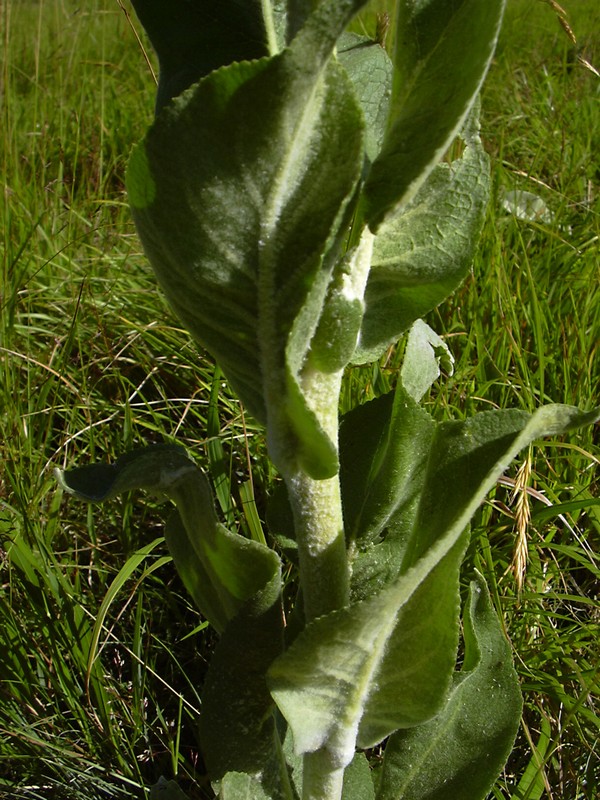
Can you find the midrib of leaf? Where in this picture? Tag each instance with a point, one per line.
(344, 744)
(286, 179)
(309, 97)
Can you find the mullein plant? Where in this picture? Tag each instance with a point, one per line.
(293, 202)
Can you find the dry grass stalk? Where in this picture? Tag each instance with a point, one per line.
(520, 498)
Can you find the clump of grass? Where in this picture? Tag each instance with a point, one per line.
(92, 364)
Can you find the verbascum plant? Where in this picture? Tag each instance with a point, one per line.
(292, 200)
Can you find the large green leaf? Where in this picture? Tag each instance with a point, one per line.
(408, 481)
(237, 192)
(237, 586)
(220, 569)
(422, 254)
(442, 52)
(356, 675)
(459, 754)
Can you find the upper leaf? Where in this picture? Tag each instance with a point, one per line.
(421, 255)
(238, 192)
(442, 52)
(370, 70)
(237, 585)
(318, 24)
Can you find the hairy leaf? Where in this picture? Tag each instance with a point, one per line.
(421, 255)
(408, 481)
(356, 675)
(459, 754)
(370, 70)
(442, 52)
(237, 586)
(424, 353)
(220, 569)
(334, 342)
(238, 191)
(384, 663)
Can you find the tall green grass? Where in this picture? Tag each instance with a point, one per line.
(91, 364)
(101, 653)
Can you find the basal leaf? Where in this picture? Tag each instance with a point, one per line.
(442, 52)
(156, 468)
(237, 726)
(220, 569)
(237, 586)
(421, 255)
(459, 754)
(238, 192)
